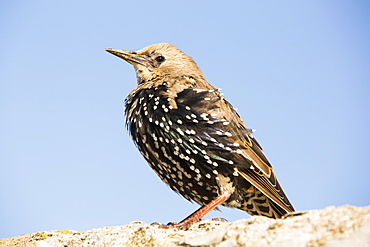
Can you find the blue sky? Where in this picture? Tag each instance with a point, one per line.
(298, 71)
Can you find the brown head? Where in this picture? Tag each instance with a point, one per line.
(159, 60)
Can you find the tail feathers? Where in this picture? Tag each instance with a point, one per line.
(256, 203)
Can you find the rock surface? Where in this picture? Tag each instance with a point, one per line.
(339, 227)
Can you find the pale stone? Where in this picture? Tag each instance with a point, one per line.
(339, 227)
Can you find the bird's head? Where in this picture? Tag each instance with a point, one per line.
(159, 60)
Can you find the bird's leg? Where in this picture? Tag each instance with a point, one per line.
(197, 215)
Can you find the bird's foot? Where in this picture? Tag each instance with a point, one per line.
(197, 215)
(220, 219)
(183, 225)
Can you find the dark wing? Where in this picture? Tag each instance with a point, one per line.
(232, 141)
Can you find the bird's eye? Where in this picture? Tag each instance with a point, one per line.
(160, 59)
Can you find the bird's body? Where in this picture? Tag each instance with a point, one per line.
(194, 139)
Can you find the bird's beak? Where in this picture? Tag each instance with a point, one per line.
(129, 56)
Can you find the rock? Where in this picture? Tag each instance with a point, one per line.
(339, 227)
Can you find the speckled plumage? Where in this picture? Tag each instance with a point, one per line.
(193, 138)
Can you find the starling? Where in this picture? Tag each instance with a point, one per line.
(194, 139)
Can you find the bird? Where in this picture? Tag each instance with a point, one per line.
(195, 140)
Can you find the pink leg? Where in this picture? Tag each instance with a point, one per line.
(197, 215)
